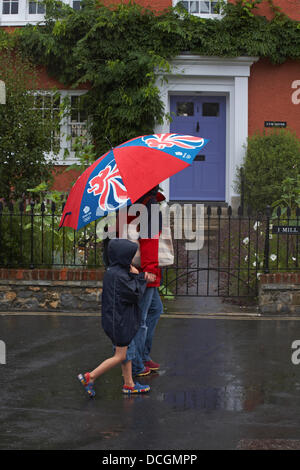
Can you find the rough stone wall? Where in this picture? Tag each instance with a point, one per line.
(280, 293)
(60, 290)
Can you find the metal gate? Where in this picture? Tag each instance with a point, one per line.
(237, 249)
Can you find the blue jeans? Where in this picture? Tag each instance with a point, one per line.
(151, 309)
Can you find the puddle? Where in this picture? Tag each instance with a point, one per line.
(224, 398)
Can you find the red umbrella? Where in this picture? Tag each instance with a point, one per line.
(126, 173)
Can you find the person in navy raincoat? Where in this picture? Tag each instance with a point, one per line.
(123, 287)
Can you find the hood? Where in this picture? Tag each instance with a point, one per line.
(121, 252)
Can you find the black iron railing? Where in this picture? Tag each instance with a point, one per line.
(238, 247)
(29, 237)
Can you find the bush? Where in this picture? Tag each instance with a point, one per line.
(270, 159)
(29, 126)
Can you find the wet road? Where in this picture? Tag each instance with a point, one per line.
(222, 382)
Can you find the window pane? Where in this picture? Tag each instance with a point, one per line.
(32, 8)
(39, 102)
(56, 101)
(194, 7)
(185, 5)
(76, 5)
(204, 7)
(5, 8)
(36, 8)
(215, 8)
(185, 109)
(14, 8)
(40, 9)
(47, 101)
(82, 116)
(74, 101)
(211, 109)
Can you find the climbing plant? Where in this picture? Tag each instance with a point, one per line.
(120, 52)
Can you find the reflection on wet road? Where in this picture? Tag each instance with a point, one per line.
(222, 382)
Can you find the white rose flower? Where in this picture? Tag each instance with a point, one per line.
(273, 257)
(246, 240)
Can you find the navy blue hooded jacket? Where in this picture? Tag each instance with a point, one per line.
(122, 291)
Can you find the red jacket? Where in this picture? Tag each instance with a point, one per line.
(149, 246)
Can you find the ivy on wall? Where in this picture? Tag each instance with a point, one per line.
(119, 50)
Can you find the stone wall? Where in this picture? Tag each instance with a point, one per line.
(60, 290)
(279, 293)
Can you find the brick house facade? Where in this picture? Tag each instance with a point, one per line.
(229, 98)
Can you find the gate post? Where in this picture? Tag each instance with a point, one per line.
(267, 241)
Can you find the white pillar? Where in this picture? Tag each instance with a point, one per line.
(240, 130)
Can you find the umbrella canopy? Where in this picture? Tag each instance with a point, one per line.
(126, 173)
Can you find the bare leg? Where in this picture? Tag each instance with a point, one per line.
(118, 358)
(127, 373)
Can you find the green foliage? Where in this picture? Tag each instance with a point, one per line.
(54, 246)
(290, 196)
(119, 52)
(26, 133)
(272, 161)
(85, 154)
(29, 235)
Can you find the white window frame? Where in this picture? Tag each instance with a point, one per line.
(65, 143)
(34, 16)
(23, 17)
(201, 15)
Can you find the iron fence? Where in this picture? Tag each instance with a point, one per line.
(238, 248)
(29, 237)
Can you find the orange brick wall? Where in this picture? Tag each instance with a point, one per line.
(270, 95)
(63, 179)
(289, 7)
(156, 5)
(270, 86)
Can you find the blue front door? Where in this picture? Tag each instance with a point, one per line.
(203, 116)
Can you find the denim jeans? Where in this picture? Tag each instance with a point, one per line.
(151, 309)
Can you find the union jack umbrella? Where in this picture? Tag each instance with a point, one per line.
(125, 173)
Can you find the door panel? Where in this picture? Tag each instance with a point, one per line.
(203, 116)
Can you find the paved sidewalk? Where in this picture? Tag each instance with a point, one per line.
(223, 384)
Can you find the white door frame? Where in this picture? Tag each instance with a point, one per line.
(198, 75)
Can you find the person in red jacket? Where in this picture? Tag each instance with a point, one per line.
(150, 304)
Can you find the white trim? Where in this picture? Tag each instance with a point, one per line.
(212, 76)
(23, 17)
